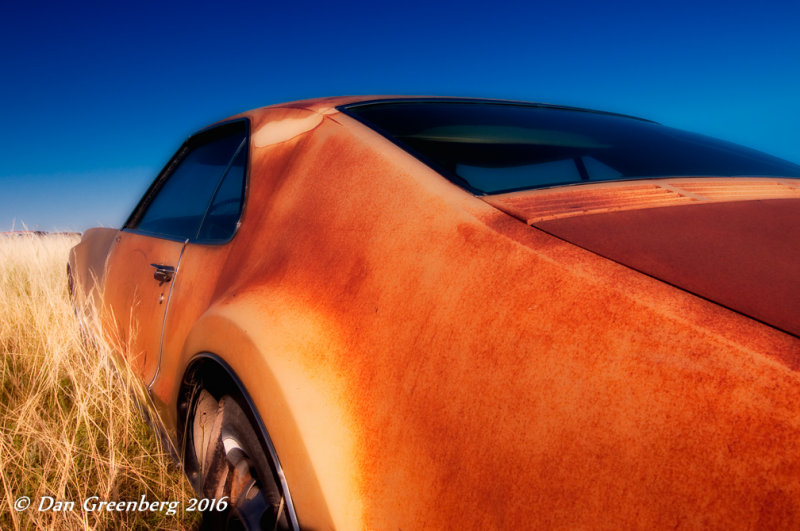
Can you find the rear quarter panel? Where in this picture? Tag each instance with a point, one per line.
(422, 360)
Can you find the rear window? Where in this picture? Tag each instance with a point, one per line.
(494, 147)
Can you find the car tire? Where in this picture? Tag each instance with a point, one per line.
(233, 466)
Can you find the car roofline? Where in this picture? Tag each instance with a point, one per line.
(445, 99)
(334, 104)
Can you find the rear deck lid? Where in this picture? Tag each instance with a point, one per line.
(735, 242)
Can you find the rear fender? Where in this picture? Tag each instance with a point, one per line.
(221, 337)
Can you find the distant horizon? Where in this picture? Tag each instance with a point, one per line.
(41, 233)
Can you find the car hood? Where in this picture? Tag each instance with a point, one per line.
(734, 242)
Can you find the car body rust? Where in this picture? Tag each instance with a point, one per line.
(421, 359)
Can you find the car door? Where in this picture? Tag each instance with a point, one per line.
(146, 258)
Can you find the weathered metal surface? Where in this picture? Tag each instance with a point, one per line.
(87, 265)
(743, 254)
(135, 302)
(423, 360)
(534, 206)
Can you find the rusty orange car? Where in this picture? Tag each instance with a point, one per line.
(404, 313)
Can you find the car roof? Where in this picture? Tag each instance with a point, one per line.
(329, 105)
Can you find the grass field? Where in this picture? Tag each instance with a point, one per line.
(69, 424)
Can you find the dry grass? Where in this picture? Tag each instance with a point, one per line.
(69, 423)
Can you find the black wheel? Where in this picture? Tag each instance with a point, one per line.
(231, 463)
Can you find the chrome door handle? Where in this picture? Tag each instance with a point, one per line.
(163, 273)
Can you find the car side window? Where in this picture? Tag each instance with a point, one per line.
(223, 215)
(179, 200)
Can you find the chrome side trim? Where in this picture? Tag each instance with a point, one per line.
(164, 320)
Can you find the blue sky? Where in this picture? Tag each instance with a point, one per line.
(97, 96)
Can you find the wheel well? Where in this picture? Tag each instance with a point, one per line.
(212, 374)
(208, 371)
